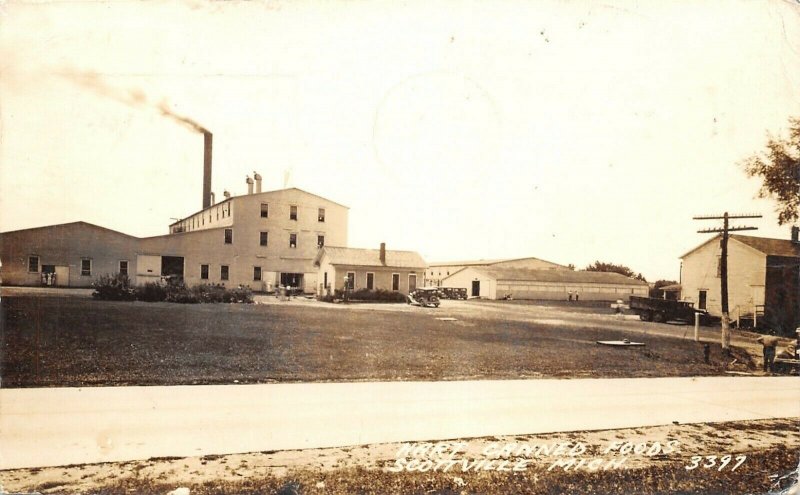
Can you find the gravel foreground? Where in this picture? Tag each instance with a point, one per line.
(771, 448)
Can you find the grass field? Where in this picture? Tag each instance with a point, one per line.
(61, 341)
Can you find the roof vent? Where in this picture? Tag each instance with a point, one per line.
(249, 185)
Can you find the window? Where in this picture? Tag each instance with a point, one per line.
(223, 272)
(702, 297)
(228, 236)
(293, 212)
(204, 272)
(257, 273)
(395, 281)
(370, 281)
(123, 267)
(264, 210)
(320, 240)
(351, 280)
(263, 238)
(217, 212)
(292, 240)
(86, 267)
(33, 264)
(321, 215)
(719, 266)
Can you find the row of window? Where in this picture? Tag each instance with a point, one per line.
(224, 210)
(86, 266)
(370, 281)
(224, 272)
(292, 212)
(199, 221)
(263, 239)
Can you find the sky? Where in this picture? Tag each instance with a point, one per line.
(571, 131)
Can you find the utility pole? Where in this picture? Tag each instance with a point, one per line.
(723, 267)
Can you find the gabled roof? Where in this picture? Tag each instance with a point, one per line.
(770, 247)
(370, 257)
(765, 245)
(488, 262)
(467, 263)
(233, 198)
(79, 223)
(556, 276)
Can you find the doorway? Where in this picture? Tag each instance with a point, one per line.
(172, 266)
(292, 280)
(701, 299)
(62, 276)
(476, 288)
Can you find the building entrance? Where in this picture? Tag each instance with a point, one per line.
(292, 280)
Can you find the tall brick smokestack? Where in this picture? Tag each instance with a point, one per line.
(207, 142)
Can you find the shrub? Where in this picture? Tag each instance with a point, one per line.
(177, 292)
(151, 292)
(212, 293)
(379, 295)
(115, 287)
(241, 294)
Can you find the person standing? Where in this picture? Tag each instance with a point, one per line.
(797, 343)
(769, 342)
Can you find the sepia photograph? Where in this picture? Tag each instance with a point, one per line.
(375, 247)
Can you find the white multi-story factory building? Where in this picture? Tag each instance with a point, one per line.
(261, 239)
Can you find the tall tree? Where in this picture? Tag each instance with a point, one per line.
(779, 168)
(599, 266)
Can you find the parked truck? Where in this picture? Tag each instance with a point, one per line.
(663, 310)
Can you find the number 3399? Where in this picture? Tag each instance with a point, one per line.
(713, 461)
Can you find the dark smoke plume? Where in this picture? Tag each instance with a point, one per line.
(132, 97)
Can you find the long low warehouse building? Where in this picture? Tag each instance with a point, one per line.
(499, 283)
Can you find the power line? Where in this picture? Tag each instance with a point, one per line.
(725, 231)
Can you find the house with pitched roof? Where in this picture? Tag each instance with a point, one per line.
(763, 279)
(370, 269)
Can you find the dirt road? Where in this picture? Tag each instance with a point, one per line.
(58, 426)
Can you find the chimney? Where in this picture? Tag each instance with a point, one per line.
(207, 141)
(796, 234)
(226, 194)
(213, 199)
(258, 181)
(249, 185)
(383, 253)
